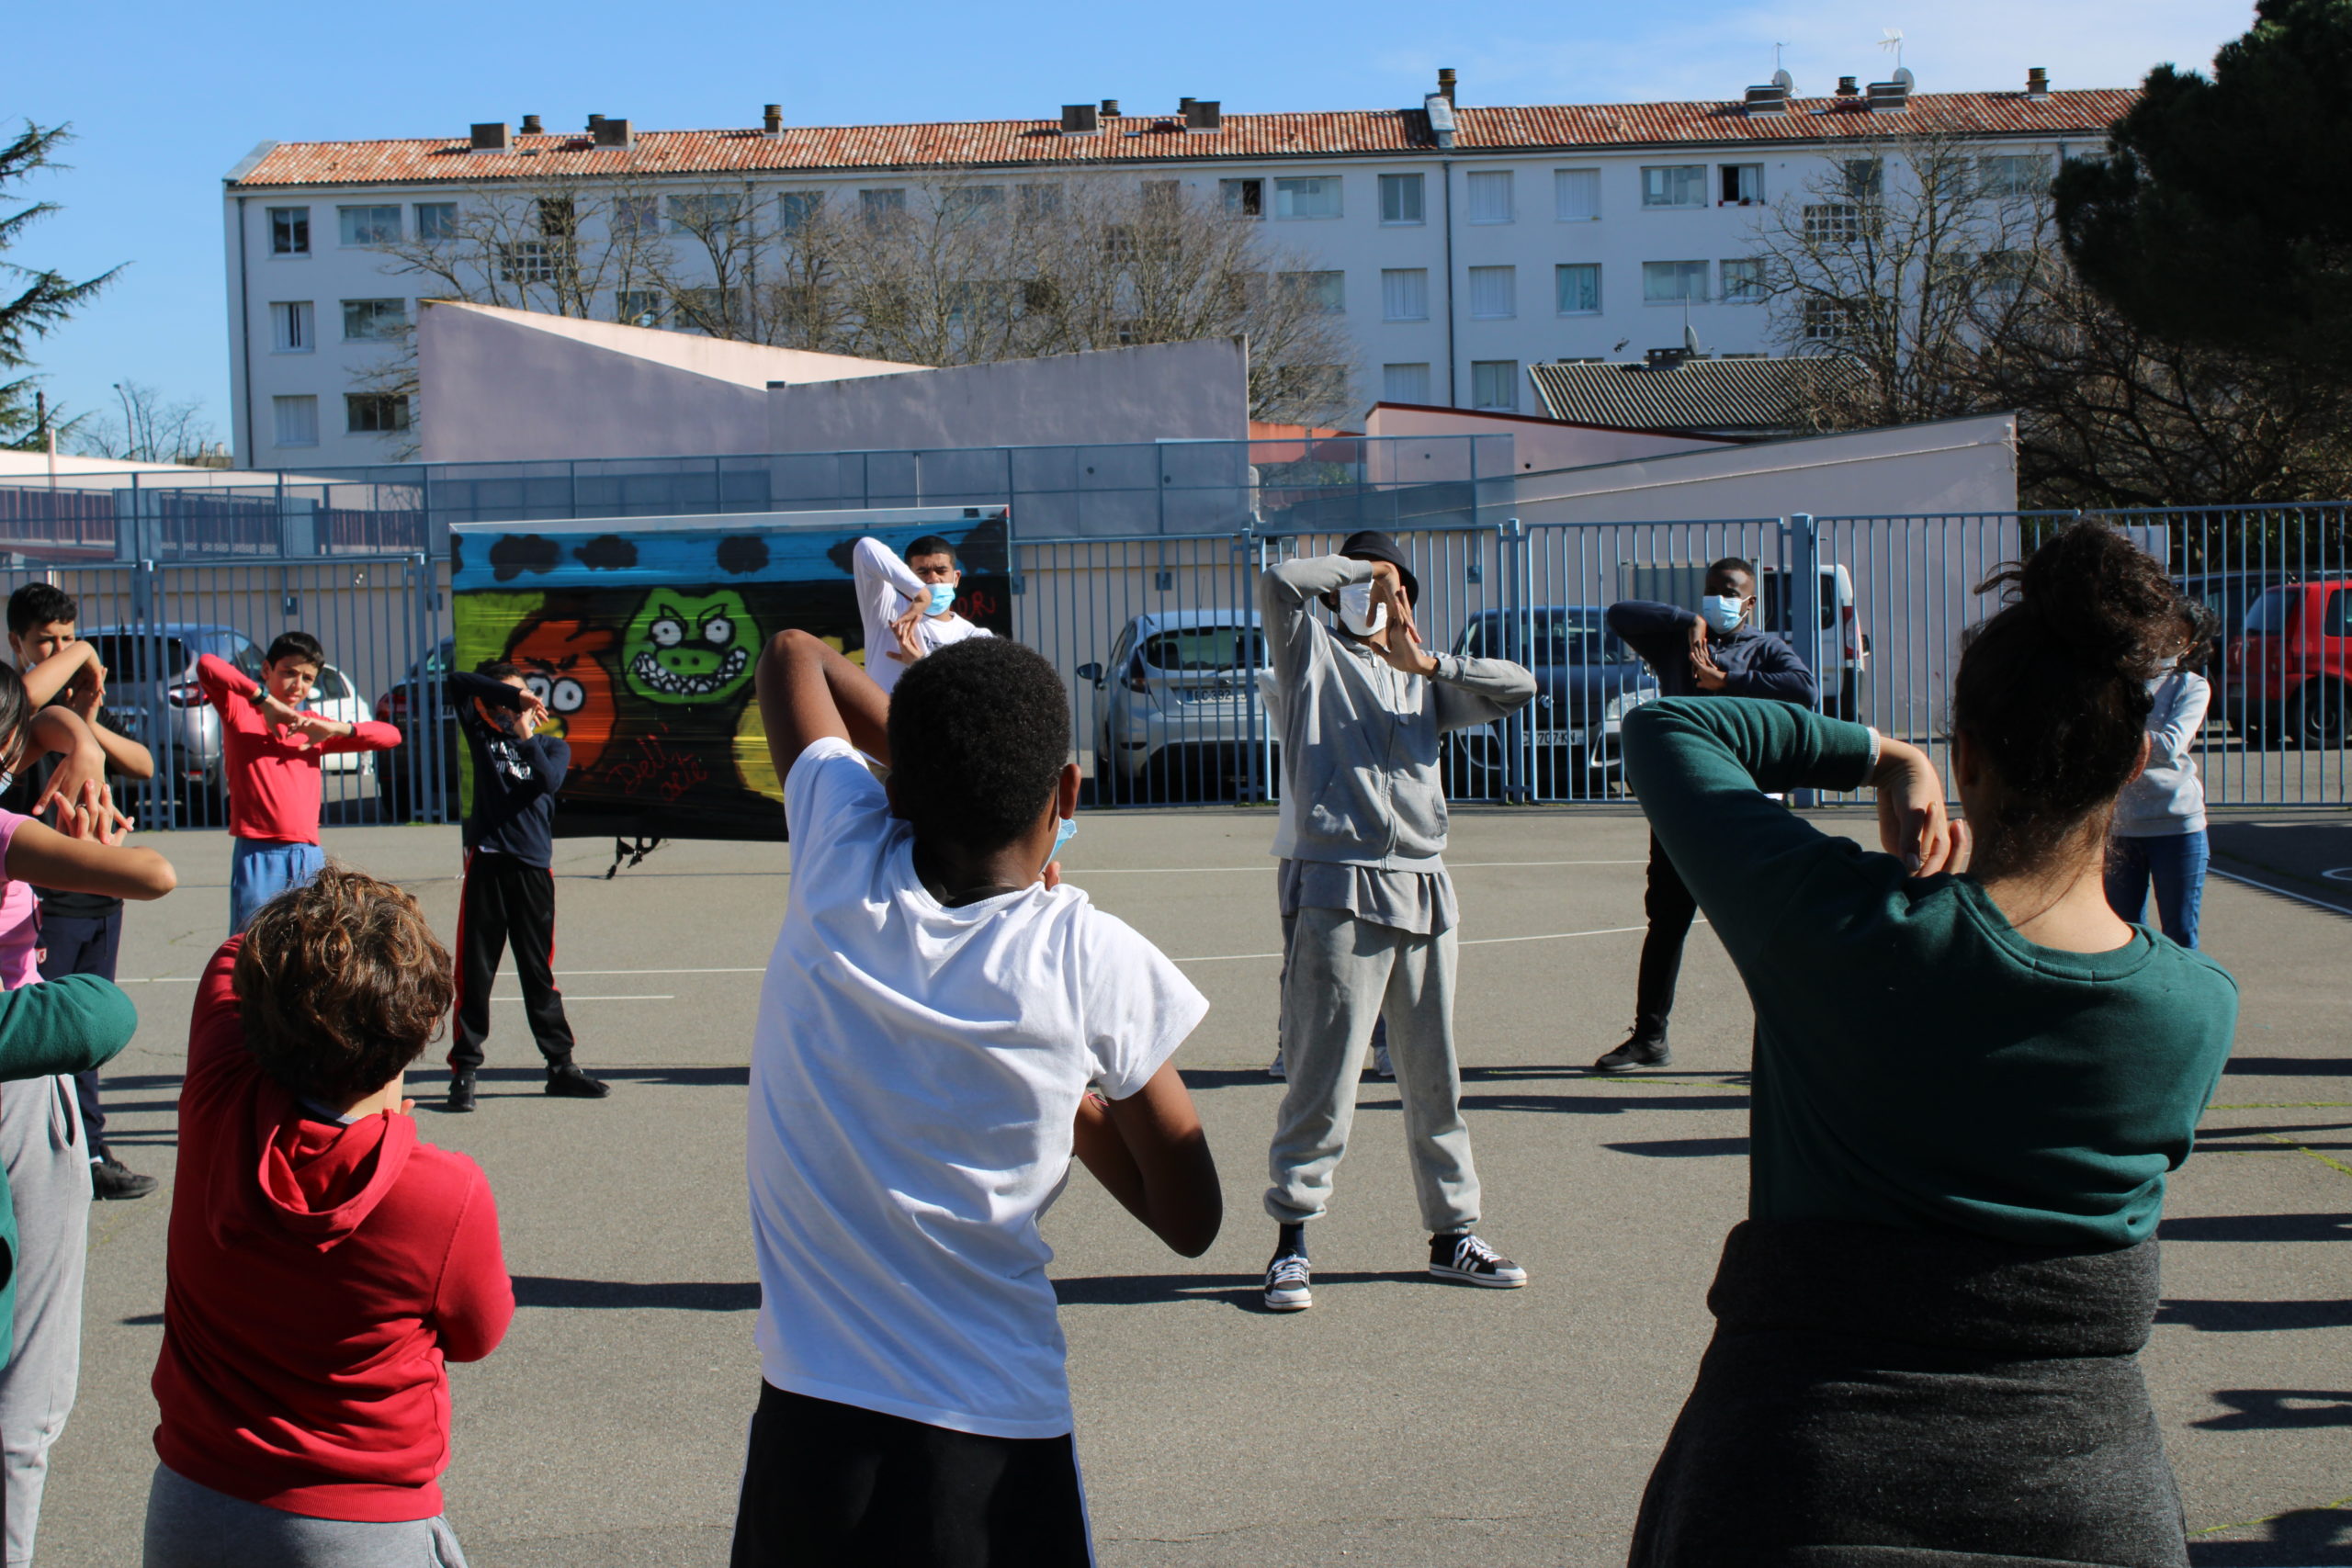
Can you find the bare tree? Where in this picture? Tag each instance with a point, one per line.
(147, 427)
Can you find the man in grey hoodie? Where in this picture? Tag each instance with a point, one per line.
(1363, 708)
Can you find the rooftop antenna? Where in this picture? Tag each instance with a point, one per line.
(1892, 44)
(1781, 78)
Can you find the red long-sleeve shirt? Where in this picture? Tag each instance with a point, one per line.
(273, 773)
(316, 1279)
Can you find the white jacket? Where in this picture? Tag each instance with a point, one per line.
(2167, 800)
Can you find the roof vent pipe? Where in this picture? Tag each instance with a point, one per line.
(1184, 106)
(1445, 82)
(2037, 84)
(1080, 119)
(1203, 115)
(1846, 87)
(492, 139)
(594, 122)
(1110, 109)
(772, 120)
(531, 125)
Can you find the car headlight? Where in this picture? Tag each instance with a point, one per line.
(1614, 714)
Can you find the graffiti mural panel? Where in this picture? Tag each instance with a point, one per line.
(641, 634)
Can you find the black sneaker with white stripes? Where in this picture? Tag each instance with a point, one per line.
(1286, 1283)
(1460, 1256)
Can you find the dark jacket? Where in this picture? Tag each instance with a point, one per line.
(1755, 664)
(515, 780)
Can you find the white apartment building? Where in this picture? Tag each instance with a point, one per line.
(1461, 243)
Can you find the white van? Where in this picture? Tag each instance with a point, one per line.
(1841, 649)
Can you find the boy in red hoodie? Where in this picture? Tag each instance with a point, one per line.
(271, 751)
(323, 1260)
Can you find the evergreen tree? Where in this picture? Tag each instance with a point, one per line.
(2224, 216)
(34, 301)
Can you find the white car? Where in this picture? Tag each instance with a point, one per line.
(336, 698)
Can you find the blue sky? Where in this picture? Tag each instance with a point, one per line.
(164, 98)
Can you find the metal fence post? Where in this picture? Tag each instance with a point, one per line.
(1517, 609)
(1802, 550)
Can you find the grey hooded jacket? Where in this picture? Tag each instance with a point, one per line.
(1359, 736)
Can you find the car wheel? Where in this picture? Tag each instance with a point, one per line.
(2315, 715)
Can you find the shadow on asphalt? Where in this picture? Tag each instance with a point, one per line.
(2292, 1067)
(543, 1291)
(2259, 1227)
(1140, 1290)
(2308, 1537)
(2264, 1409)
(2255, 1317)
(1683, 1148)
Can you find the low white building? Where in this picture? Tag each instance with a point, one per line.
(1461, 243)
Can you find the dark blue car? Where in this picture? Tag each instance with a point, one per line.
(1585, 678)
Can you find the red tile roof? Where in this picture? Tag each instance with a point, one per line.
(1135, 139)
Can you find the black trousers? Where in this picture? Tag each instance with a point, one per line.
(75, 945)
(507, 903)
(830, 1485)
(1670, 909)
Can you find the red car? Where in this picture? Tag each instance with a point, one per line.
(2290, 672)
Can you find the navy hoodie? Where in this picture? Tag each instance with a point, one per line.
(515, 780)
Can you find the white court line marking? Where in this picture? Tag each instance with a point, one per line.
(2283, 893)
(1473, 942)
(1272, 865)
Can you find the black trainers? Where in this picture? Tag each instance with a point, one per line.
(1635, 1053)
(1286, 1283)
(1461, 1257)
(461, 1091)
(111, 1180)
(568, 1082)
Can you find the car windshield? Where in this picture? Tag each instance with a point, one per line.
(332, 687)
(2269, 613)
(1576, 636)
(129, 657)
(1196, 648)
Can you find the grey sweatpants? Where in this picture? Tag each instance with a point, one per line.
(1344, 973)
(190, 1526)
(48, 1182)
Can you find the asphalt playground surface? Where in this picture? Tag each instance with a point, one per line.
(1401, 1421)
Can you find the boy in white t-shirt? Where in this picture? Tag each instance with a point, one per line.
(942, 1027)
(908, 607)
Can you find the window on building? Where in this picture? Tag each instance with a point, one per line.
(881, 206)
(1494, 384)
(370, 225)
(372, 320)
(1832, 223)
(1671, 282)
(290, 231)
(1163, 197)
(639, 308)
(1491, 196)
(1494, 292)
(293, 327)
(2008, 272)
(704, 214)
(1743, 280)
(796, 210)
(1242, 199)
(1400, 199)
(972, 203)
(1311, 196)
(713, 311)
(1578, 284)
(1862, 179)
(1576, 194)
(297, 420)
(374, 413)
(1743, 183)
(436, 220)
(637, 217)
(2004, 175)
(1405, 294)
(1674, 185)
(526, 260)
(1040, 201)
(1324, 291)
(1824, 320)
(1405, 383)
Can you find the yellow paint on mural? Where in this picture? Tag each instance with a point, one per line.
(752, 763)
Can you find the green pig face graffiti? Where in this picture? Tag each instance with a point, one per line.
(689, 647)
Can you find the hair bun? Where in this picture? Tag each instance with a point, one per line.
(2102, 599)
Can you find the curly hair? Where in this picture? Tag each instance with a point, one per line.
(980, 731)
(341, 984)
(2053, 690)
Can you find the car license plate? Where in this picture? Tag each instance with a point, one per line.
(1221, 691)
(1556, 739)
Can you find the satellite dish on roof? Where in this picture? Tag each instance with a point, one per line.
(1785, 82)
(1690, 340)
(1903, 78)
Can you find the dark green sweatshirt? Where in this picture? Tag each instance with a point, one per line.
(1918, 1063)
(57, 1026)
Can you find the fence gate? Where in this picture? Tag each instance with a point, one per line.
(379, 617)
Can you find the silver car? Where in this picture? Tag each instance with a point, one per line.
(152, 695)
(1173, 709)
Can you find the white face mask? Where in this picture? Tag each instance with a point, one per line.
(1358, 613)
(1722, 614)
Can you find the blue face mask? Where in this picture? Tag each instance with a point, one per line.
(1062, 835)
(1720, 613)
(942, 599)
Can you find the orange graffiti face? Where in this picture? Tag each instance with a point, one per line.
(558, 661)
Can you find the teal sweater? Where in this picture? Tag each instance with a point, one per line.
(1918, 1063)
(59, 1026)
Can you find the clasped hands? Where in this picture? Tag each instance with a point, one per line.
(1403, 651)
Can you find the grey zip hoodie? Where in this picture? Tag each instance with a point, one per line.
(1360, 737)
